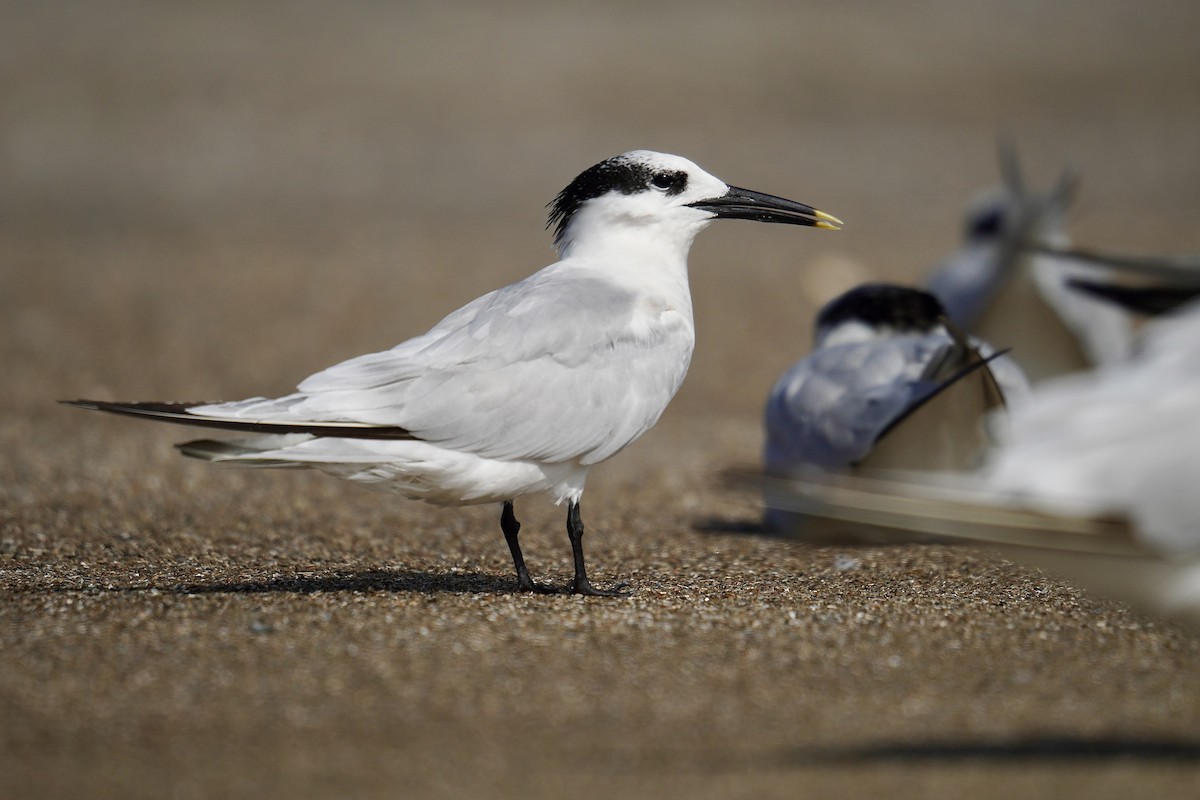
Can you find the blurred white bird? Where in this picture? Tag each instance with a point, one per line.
(527, 388)
(890, 384)
(1118, 440)
(1007, 284)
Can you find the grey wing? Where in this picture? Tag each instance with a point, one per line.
(828, 409)
(556, 367)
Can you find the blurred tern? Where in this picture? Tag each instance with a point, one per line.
(527, 388)
(1096, 479)
(891, 383)
(1007, 284)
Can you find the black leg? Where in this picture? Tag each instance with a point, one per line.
(581, 584)
(510, 526)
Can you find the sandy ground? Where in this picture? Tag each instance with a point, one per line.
(204, 202)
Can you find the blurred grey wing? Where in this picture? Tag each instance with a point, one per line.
(828, 414)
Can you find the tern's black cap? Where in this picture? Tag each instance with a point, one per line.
(884, 305)
(625, 173)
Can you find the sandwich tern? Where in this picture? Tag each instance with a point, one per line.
(891, 383)
(527, 388)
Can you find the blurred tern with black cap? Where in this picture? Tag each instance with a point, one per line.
(890, 384)
(527, 388)
(1007, 285)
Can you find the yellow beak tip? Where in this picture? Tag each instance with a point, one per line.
(828, 221)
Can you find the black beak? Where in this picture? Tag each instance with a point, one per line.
(746, 204)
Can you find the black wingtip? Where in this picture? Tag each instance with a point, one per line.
(1149, 300)
(179, 414)
(152, 408)
(91, 404)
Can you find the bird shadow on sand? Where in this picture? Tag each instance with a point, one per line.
(1029, 751)
(817, 532)
(719, 525)
(366, 581)
(369, 581)
(1037, 749)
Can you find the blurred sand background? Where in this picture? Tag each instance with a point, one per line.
(210, 201)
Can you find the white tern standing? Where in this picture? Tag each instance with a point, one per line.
(527, 388)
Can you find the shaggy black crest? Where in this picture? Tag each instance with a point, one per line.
(884, 304)
(620, 173)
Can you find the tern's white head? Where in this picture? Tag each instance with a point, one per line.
(1013, 213)
(875, 311)
(645, 200)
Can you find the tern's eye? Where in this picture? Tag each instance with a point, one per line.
(669, 182)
